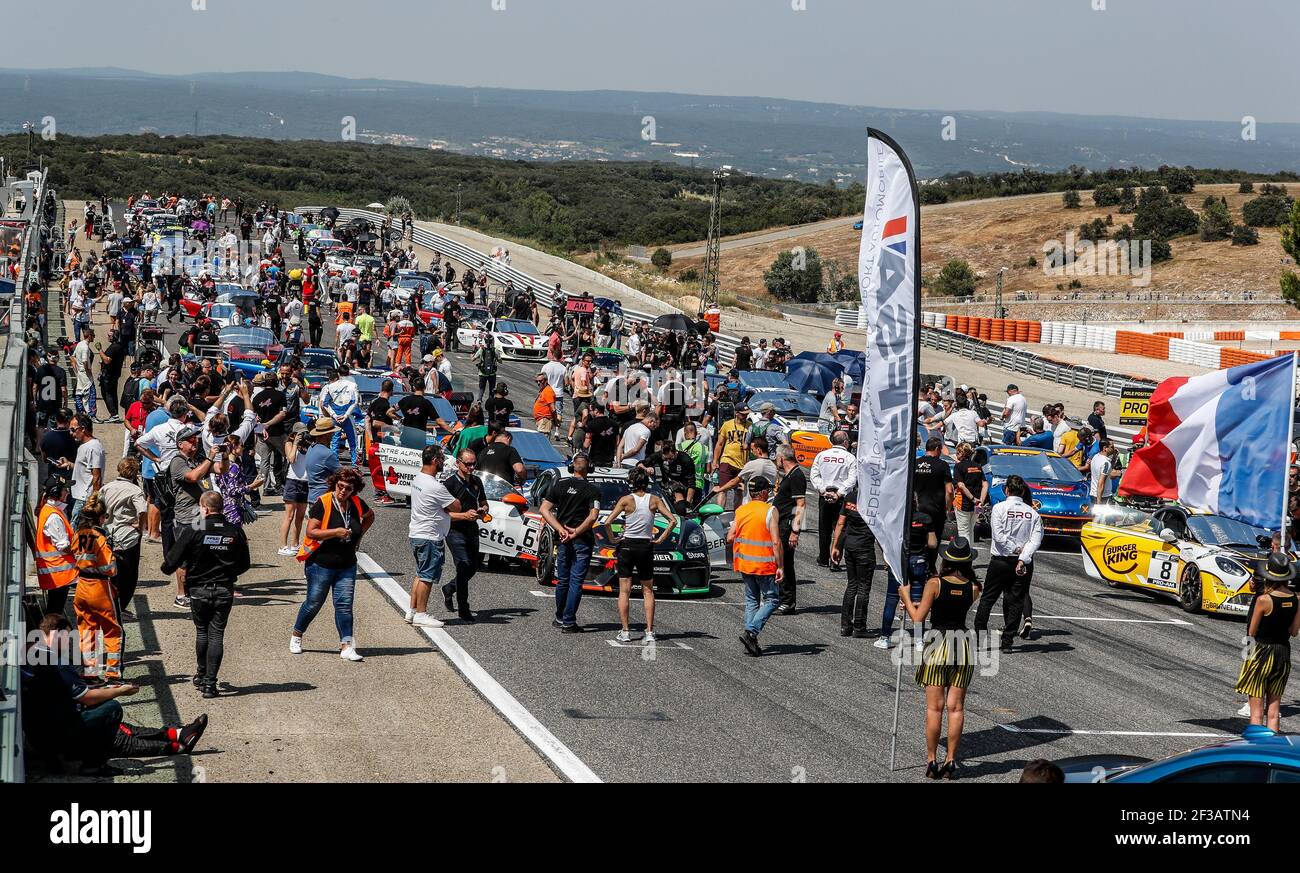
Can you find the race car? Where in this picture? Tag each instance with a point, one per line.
(1057, 489)
(250, 344)
(683, 564)
(399, 454)
(1202, 560)
(473, 319)
(795, 410)
(516, 339)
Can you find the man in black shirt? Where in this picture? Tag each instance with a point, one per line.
(415, 409)
(59, 447)
(1097, 421)
(499, 406)
(932, 485)
(214, 556)
(502, 459)
(744, 355)
(602, 437)
(790, 506)
(51, 391)
(570, 508)
(854, 545)
(451, 321)
(111, 372)
(676, 474)
(270, 405)
(462, 539)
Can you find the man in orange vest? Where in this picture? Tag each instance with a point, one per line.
(56, 559)
(755, 540)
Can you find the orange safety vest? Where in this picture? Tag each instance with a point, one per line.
(54, 569)
(753, 551)
(344, 306)
(94, 557)
(310, 545)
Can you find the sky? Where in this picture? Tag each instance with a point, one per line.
(1192, 59)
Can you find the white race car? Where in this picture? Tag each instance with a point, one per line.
(516, 339)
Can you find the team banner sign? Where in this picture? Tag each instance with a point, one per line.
(888, 265)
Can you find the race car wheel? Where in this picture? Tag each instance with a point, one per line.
(545, 566)
(1189, 590)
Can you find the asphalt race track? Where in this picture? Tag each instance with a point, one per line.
(1112, 672)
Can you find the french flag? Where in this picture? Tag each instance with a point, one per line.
(1220, 442)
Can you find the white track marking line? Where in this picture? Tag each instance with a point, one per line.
(653, 647)
(1061, 731)
(659, 601)
(503, 701)
(1177, 621)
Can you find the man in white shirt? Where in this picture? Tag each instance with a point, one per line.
(1102, 468)
(634, 344)
(834, 472)
(88, 468)
(760, 357)
(832, 403)
(636, 439)
(159, 442)
(965, 424)
(431, 505)
(556, 375)
(1054, 413)
(1014, 412)
(1017, 532)
(83, 360)
(344, 330)
(114, 305)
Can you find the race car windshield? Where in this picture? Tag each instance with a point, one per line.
(1035, 467)
(534, 447)
(612, 489)
(1215, 530)
(247, 337)
(510, 326)
(494, 487)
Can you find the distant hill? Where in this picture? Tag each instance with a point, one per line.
(760, 136)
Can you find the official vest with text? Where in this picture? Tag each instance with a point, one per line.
(54, 569)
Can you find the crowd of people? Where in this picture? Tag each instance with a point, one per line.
(202, 445)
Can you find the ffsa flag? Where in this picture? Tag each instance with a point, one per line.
(1220, 442)
(888, 264)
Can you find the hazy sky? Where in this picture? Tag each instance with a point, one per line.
(1195, 59)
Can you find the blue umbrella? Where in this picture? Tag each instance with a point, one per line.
(854, 364)
(813, 377)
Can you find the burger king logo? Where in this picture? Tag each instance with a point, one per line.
(1120, 557)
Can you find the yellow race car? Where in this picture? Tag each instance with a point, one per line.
(1202, 560)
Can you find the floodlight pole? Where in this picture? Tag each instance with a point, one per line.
(710, 280)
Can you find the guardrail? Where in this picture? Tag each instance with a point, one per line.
(501, 272)
(15, 485)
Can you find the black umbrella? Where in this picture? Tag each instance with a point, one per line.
(674, 321)
(365, 236)
(359, 223)
(329, 212)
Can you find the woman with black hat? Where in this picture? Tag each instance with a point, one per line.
(1274, 619)
(946, 665)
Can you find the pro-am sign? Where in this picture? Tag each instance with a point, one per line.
(1134, 402)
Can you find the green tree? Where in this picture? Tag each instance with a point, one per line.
(1270, 210)
(795, 276)
(1071, 199)
(1127, 200)
(1094, 230)
(1161, 251)
(662, 258)
(1244, 235)
(1269, 189)
(1216, 220)
(1179, 180)
(1161, 216)
(1246, 188)
(1106, 194)
(1291, 245)
(841, 282)
(956, 279)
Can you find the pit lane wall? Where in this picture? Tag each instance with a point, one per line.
(17, 472)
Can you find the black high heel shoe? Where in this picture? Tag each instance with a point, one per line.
(948, 770)
(932, 770)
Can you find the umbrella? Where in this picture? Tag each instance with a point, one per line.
(674, 321)
(329, 212)
(365, 236)
(374, 206)
(854, 364)
(200, 225)
(812, 376)
(358, 223)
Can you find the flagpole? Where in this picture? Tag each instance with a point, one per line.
(911, 399)
(1290, 436)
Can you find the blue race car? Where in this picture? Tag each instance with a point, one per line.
(1057, 489)
(1259, 756)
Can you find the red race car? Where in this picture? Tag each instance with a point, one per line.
(254, 344)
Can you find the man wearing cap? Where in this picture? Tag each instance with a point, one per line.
(767, 428)
(187, 472)
(755, 540)
(836, 344)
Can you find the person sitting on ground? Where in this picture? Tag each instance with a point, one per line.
(64, 717)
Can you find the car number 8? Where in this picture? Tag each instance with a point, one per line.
(1161, 570)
